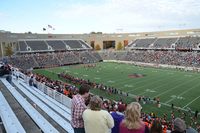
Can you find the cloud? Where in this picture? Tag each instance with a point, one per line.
(132, 14)
(70, 16)
(2, 14)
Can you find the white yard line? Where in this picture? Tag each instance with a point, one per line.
(182, 93)
(191, 102)
(173, 88)
(155, 81)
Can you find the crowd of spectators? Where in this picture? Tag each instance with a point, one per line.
(43, 60)
(188, 59)
(178, 58)
(117, 108)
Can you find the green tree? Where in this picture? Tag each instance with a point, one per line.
(119, 46)
(8, 50)
(97, 47)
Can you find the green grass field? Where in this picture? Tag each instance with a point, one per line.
(172, 86)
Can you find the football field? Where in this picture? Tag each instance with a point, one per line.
(171, 86)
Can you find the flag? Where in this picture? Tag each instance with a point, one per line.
(49, 26)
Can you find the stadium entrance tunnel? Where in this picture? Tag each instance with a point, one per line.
(109, 44)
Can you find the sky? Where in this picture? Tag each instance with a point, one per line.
(107, 16)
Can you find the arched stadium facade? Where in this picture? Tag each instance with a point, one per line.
(12, 39)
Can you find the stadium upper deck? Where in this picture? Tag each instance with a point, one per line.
(181, 38)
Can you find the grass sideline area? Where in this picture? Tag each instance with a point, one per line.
(172, 86)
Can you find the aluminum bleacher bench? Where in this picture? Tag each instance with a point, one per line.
(44, 125)
(56, 117)
(10, 121)
(67, 109)
(46, 99)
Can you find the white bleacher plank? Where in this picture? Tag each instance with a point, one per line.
(63, 123)
(45, 126)
(47, 101)
(68, 110)
(10, 121)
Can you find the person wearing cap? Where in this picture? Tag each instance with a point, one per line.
(118, 116)
(95, 119)
(179, 126)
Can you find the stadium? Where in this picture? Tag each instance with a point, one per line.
(42, 72)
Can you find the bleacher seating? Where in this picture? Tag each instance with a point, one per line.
(46, 60)
(97, 56)
(84, 44)
(23, 61)
(86, 57)
(164, 42)
(50, 45)
(22, 46)
(56, 44)
(67, 57)
(132, 44)
(145, 43)
(51, 104)
(48, 98)
(188, 42)
(37, 45)
(73, 44)
(49, 110)
(10, 121)
(44, 125)
(118, 55)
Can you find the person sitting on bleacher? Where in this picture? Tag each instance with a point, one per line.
(31, 81)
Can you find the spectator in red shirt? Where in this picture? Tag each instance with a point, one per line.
(77, 108)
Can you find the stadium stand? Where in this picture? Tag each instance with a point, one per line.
(61, 111)
(48, 99)
(10, 121)
(57, 45)
(25, 61)
(87, 57)
(22, 46)
(188, 42)
(118, 55)
(37, 117)
(68, 57)
(50, 45)
(37, 45)
(97, 56)
(46, 59)
(164, 42)
(49, 110)
(132, 43)
(84, 44)
(74, 44)
(144, 43)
